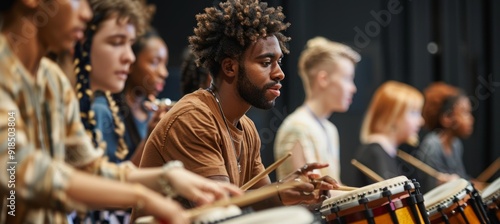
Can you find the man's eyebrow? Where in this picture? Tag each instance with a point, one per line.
(267, 55)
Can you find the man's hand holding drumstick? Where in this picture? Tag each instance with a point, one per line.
(303, 174)
(311, 184)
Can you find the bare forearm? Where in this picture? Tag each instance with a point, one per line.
(270, 202)
(95, 192)
(146, 176)
(273, 201)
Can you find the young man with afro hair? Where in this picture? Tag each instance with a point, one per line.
(241, 43)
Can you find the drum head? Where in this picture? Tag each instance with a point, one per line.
(444, 194)
(289, 215)
(493, 190)
(371, 192)
(217, 214)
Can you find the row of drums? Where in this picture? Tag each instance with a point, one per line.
(396, 200)
(399, 200)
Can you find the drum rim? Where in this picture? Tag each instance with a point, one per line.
(371, 192)
(447, 201)
(495, 191)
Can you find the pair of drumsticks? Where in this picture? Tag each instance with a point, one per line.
(403, 155)
(483, 177)
(257, 195)
(247, 198)
(272, 167)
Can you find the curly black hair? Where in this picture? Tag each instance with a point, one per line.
(440, 98)
(228, 30)
(192, 76)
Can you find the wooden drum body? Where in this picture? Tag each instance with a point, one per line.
(491, 199)
(395, 200)
(455, 202)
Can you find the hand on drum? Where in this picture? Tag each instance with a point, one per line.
(479, 185)
(166, 210)
(312, 184)
(445, 177)
(198, 189)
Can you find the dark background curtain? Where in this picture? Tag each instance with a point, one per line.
(415, 42)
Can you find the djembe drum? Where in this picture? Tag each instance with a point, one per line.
(396, 200)
(491, 199)
(455, 202)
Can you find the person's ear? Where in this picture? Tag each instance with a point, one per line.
(322, 78)
(229, 67)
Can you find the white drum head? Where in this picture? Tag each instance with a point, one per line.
(217, 214)
(493, 190)
(289, 215)
(371, 192)
(444, 194)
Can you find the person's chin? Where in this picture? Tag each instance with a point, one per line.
(117, 88)
(61, 47)
(343, 109)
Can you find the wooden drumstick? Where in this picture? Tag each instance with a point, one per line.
(269, 169)
(367, 171)
(317, 183)
(345, 188)
(243, 200)
(419, 164)
(488, 172)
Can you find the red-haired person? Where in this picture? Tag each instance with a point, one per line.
(393, 118)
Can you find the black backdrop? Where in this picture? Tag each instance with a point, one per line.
(416, 42)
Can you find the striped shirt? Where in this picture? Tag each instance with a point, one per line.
(42, 140)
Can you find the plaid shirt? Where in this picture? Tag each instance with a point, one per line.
(45, 141)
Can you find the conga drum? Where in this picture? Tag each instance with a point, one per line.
(491, 199)
(455, 202)
(396, 200)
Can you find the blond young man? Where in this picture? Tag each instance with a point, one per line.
(327, 72)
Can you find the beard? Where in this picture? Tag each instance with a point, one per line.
(251, 93)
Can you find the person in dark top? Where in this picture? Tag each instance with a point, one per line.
(393, 118)
(447, 114)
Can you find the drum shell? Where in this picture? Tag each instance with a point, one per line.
(348, 208)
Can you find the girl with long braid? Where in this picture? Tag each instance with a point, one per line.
(51, 149)
(103, 62)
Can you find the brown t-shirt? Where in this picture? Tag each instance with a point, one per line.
(194, 132)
